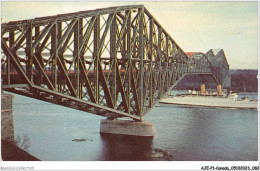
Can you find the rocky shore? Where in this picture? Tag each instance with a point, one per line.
(11, 152)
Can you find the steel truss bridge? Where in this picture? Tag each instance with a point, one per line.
(114, 62)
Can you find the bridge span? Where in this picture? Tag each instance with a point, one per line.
(114, 62)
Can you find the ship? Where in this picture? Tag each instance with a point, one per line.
(211, 99)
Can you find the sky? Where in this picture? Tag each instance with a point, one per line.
(195, 26)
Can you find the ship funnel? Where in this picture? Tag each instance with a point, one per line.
(219, 89)
(202, 89)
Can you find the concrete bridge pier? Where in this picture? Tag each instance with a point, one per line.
(7, 126)
(127, 127)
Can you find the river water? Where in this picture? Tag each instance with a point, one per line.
(47, 131)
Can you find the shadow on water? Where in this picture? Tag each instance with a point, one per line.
(126, 148)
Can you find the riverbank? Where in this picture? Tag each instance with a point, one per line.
(10, 152)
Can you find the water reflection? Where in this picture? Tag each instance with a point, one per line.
(126, 148)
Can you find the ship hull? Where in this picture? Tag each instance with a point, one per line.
(210, 102)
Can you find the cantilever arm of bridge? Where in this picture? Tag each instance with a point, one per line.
(114, 62)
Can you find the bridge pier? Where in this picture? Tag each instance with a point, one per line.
(127, 127)
(7, 126)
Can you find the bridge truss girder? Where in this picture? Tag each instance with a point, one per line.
(113, 62)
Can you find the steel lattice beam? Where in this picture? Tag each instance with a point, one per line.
(113, 62)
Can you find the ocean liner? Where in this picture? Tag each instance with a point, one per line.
(213, 99)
